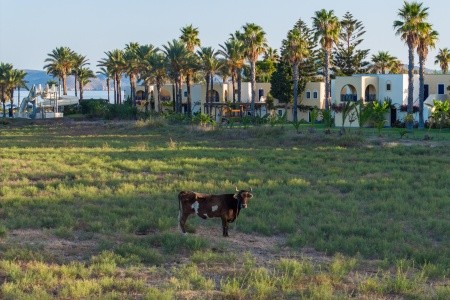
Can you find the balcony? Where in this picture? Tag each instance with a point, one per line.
(349, 97)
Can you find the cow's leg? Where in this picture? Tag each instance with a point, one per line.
(225, 226)
(182, 217)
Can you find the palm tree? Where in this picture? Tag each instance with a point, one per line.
(17, 80)
(79, 62)
(233, 51)
(115, 64)
(296, 50)
(382, 61)
(255, 44)
(176, 54)
(443, 58)
(207, 55)
(144, 52)
(328, 29)
(157, 62)
(5, 70)
(427, 40)
(411, 15)
(132, 67)
(84, 76)
(189, 35)
(104, 71)
(60, 61)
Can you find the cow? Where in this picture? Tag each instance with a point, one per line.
(225, 206)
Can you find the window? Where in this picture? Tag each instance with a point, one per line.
(185, 93)
(441, 89)
(388, 86)
(315, 95)
(280, 112)
(308, 95)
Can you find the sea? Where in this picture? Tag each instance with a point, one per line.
(86, 95)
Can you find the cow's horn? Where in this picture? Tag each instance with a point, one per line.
(237, 189)
(251, 189)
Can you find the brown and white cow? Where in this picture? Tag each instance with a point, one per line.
(225, 206)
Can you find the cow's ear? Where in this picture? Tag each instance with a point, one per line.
(235, 196)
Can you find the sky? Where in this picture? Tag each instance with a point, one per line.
(30, 29)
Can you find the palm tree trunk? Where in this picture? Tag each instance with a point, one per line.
(133, 89)
(64, 79)
(180, 95)
(75, 77)
(421, 91)
(295, 78)
(107, 87)
(239, 78)
(158, 89)
(115, 90)
(233, 80)
(327, 79)
(119, 90)
(409, 125)
(253, 84)
(188, 88)
(207, 95)
(211, 94)
(174, 96)
(81, 90)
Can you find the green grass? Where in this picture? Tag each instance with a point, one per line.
(114, 186)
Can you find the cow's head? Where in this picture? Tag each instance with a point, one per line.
(243, 196)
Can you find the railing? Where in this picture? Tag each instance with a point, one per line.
(371, 97)
(349, 97)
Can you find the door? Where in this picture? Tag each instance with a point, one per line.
(426, 91)
(393, 116)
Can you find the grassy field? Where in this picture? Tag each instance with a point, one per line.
(89, 210)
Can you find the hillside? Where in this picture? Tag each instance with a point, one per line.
(97, 84)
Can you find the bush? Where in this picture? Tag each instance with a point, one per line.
(120, 111)
(94, 108)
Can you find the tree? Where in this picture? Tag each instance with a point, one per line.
(189, 35)
(281, 82)
(328, 28)
(411, 15)
(132, 65)
(176, 54)
(443, 58)
(79, 62)
(84, 75)
(233, 52)
(296, 50)
(266, 66)
(60, 62)
(104, 71)
(143, 54)
(207, 57)
(254, 44)
(383, 61)
(17, 81)
(115, 63)
(10, 79)
(5, 71)
(157, 62)
(427, 39)
(347, 59)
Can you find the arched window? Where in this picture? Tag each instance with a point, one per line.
(348, 93)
